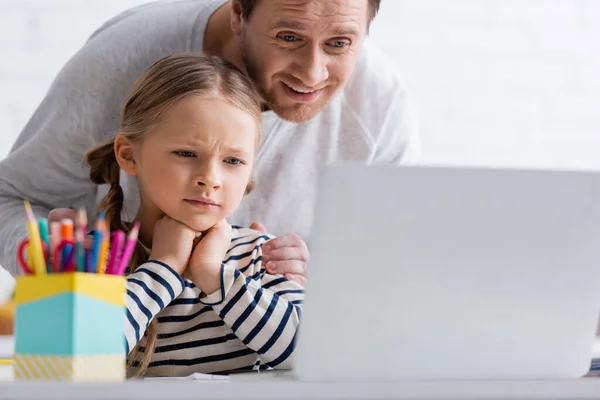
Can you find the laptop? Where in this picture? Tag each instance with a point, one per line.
(451, 273)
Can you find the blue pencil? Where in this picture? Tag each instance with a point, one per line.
(95, 252)
(80, 253)
(88, 260)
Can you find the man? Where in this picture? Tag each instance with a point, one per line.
(329, 99)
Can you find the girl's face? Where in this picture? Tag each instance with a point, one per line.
(195, 165)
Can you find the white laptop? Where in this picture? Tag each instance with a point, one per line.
(437, 273)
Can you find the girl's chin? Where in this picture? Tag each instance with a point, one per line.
(197, 222)
(199, 226)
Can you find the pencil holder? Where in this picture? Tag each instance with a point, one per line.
(70, 326)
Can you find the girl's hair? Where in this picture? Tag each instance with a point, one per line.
(167, 82)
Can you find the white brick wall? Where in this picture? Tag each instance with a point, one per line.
(500, 82)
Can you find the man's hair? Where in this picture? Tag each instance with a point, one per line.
(248, 7)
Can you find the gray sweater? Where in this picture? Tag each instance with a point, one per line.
(370, 120)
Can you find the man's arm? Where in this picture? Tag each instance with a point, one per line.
(82, 108)
(398, 141)
(45, 164)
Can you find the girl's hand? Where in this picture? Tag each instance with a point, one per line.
(172, 243)
(205, 263)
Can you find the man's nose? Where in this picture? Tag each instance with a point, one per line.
(313, 68)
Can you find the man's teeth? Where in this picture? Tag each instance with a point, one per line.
(301, 91)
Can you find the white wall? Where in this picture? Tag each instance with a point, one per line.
(501, 82)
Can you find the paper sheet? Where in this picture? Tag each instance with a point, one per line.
(596, 351)
(7, 285)
(192, 377)
(7, 347)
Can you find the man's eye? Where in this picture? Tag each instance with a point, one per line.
(288, 38)
(233, 161)
(339, 44)
(184, 153)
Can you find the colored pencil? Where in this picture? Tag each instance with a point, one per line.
(45, 239)
(96, 247)
(89, 259)
(104, 249)
(116, 247)
(128, 249)
(38, 264)
(54, 241)
(66, 233)
(80, 228)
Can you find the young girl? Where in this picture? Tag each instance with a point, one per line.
(198, 296)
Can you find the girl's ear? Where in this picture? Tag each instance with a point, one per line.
(250, 186)
(124, 153)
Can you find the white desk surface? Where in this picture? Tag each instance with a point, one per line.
(176, 390)
(588, 388)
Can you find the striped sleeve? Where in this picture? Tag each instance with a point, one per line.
(262, 310)
(149, 290)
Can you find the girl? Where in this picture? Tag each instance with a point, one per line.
(198, 296)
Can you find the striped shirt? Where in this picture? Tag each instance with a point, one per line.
(249, 323)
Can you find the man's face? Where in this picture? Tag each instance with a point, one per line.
(302, 52)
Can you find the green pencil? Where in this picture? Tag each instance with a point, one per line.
(45, 237)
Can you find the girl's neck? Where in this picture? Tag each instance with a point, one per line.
(147, 216)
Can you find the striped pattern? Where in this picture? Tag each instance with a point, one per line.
(76, 368)
(250, 323)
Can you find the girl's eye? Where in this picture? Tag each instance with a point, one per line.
(233, 161)
(184, 153)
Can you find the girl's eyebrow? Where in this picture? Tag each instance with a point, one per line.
(198, 143)
(236, 150)
(186, 142)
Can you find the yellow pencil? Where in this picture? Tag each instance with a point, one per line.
(104, 249)
(38, 263)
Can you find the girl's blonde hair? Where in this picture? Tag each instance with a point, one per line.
(167, 82)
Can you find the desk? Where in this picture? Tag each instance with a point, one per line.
(6, 352)
(588, 388)
(178, 390)
(6, 371)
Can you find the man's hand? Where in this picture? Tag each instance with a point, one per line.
(286, 255)
(58, 214)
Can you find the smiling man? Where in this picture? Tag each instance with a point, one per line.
(300, 53)
(330, 97)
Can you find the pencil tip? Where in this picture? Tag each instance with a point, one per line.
(29, 211)
(135, 230)
(82, 216)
